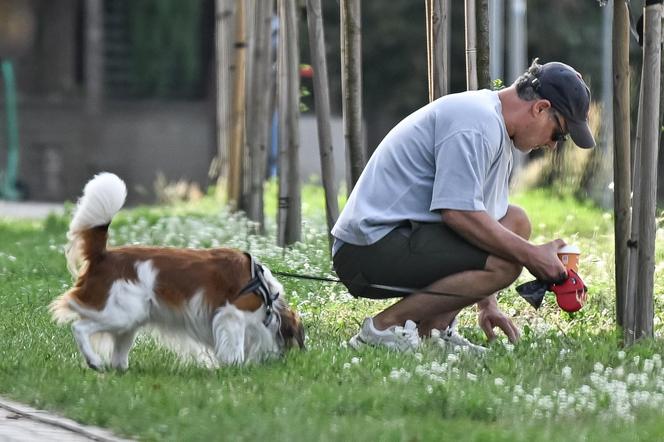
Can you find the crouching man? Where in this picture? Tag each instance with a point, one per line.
(430, 210)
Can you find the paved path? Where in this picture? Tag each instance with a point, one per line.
(19, 423)
(28, 209)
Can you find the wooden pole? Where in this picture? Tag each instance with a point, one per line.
(471, 45)
(224, 30)
(351, 86)
(322, 104)
(238, 113)
(633, 242)
(288, 91)
(652, 51)
(429, 19)
(621, 152)
(442, 31)
(258, 118)
(483, 51)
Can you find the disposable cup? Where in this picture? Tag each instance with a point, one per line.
(569, 256)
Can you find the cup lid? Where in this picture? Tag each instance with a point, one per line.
(569, 248)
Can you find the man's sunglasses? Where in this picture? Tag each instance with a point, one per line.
(559, 136)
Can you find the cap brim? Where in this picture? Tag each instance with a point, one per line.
(581, 134)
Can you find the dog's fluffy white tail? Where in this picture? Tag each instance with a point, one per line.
(103, 196)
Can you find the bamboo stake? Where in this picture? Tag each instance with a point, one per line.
(471, 45)
(621, 152)
(238, 114)
(322, 104)
(351, 86)
(224, 30)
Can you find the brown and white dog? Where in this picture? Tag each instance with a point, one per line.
(221, 299)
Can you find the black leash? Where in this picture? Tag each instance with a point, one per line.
(406, 290)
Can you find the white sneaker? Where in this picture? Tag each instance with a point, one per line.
(395, 338)
(450, 336)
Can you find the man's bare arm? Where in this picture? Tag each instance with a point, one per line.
(481, 230)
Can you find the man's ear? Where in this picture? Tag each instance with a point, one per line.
(541, 105)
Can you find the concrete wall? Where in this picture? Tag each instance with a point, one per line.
(62, 147)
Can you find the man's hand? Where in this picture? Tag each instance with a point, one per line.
(490, 316)
(544, 264)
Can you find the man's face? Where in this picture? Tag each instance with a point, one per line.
(546, 129)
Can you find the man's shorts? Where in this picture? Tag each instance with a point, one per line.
(414, 256)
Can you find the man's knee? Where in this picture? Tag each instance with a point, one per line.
(506, 272)
(517, 221)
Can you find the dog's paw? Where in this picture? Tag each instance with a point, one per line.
(96, 365)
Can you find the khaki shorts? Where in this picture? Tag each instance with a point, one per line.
(414, 256)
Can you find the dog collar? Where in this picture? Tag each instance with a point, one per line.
(258, 285)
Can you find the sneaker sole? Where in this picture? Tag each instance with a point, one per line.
(356, 342)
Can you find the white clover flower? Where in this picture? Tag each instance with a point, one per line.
(509, 347)
(418, 356)
(429, 389)
(567, 372)
(518, 390)
(631, 378)
(619, 372)
(499, 382)
(648, 365)
(355, 360)
(471, 377)
(636, 360)
(435, 333)
(346, 366)
(598, 367)
(452, 358)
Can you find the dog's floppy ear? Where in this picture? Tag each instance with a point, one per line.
(291, 328)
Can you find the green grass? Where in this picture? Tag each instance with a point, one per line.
(567, 379)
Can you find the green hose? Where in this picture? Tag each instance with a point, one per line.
(8, 189)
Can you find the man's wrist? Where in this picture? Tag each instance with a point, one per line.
(488, 302)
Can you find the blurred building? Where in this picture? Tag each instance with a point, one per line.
(123, 86)
(114, 85)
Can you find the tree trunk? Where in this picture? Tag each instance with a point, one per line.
(258, 118)
(322, 104)
(621, 152)
(351, 86)
(289, 215)
(643, 321)
(483, 51)
(471, 45)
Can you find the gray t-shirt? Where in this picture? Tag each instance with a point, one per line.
(453, 153)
